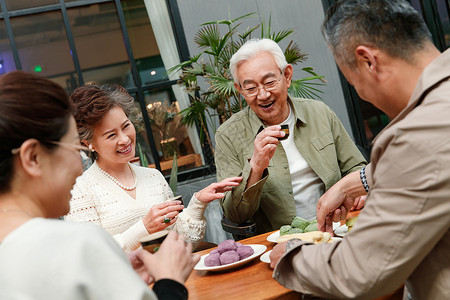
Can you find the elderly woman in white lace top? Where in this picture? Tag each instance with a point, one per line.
(128, 201)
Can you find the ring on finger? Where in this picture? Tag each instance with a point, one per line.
(166, 219)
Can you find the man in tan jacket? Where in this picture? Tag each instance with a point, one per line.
(384, 49)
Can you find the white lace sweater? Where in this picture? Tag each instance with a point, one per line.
(97, 199)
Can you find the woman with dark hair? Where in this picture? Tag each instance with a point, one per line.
(128, 201)
(42, 257)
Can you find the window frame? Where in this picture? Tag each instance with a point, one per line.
(139, 88)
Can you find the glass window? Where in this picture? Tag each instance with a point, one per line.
(417, 5)
(6, 59)
(374, 120)
(21, 4)
(43, 47)
(169, 134)
(99, 43)
(100, 46)
(443, 7)
(143, 150)
(145, 49)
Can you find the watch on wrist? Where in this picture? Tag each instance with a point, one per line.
(291, 243)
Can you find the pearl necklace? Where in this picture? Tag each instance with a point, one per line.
(126, 188)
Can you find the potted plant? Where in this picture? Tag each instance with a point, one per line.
(211, 66)
(165, 119)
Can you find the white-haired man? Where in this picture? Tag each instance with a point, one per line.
(281, 179)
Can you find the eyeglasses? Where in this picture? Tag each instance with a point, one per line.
(268, 86)
(85, 152)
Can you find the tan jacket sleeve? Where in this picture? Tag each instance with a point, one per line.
(405, 219)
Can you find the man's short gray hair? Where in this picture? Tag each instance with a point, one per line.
(393, 26)
(252, 48)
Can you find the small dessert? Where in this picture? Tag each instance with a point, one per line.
(229, 257)
(244, 251)
(284, 128)
(350, 222)
(316, 237)
(214, 251)
(212, 260)
(227, 245)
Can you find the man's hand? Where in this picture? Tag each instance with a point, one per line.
(334, 205)
(263, 150)
(359, 203)
(277, 253)
(264, 147)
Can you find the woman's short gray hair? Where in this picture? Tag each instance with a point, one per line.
(252, 48)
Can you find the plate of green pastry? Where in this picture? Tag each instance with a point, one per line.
(298, 225)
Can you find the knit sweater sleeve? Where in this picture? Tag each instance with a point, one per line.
(192, 222)
(83, 209)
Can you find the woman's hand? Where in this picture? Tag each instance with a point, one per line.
(216, 190)
(173, 260)
(154, 220)
(139, 267)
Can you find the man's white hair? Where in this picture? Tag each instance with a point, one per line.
(254, 47)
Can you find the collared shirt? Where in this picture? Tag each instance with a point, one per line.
(307, 187)
(321, 140)
(403, 233)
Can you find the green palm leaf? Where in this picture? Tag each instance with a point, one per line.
(222, 85)
(221, 99)
(304, 89)
(294, 54)
(244, 35)
(279, 36)
(184, 64)
(207, 36)
(228, 22)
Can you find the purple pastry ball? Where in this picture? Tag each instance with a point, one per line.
(214, 251)
(229, 257)
(212, 260)
(244, 251)
(227, 245)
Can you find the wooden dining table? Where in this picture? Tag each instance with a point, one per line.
(252, 280)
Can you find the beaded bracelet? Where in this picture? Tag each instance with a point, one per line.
(291, 243)
(362, 175)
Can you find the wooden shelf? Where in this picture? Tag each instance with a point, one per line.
(190, 159)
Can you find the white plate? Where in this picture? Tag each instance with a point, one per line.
(258, 250)
(154, 236)
(273, 237)
(265, 257)
(341, 231)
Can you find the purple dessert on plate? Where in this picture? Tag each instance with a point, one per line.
(229, 257)
(227, 245)
(214, 251)
(212, 260)
(244, 251)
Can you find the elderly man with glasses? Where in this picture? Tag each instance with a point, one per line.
(283, 175)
